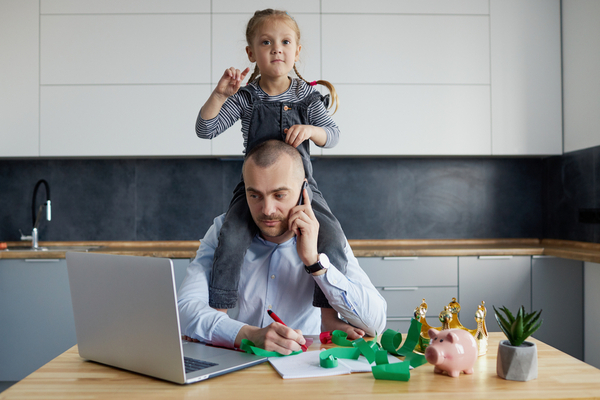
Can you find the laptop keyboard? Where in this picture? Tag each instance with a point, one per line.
(191, 364)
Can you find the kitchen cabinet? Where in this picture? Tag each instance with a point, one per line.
(123, 85)
(457, 77)
(526, 77)
(36, 313)
(592, 313)
(405, 281)
(123, 7)
(435, 100)
(462, 7)
(557, 289)
(497, 280)
(19, 78)
(121, 120)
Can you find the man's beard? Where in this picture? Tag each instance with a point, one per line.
(275, 231)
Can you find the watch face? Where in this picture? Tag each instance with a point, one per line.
(322, 263)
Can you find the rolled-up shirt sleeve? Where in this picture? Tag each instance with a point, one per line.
(197, 319)
(354, 296)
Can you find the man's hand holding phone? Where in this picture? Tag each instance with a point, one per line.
(304, 224)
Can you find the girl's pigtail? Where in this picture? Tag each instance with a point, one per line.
(334, 97)
(254, 74)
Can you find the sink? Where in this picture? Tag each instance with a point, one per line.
(52, 248)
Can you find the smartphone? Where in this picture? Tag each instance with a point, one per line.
(301, 199)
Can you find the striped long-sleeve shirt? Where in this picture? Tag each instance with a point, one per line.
(240, 106)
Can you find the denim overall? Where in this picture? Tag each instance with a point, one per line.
(269, 120)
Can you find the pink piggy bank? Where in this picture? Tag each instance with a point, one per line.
(451, 350)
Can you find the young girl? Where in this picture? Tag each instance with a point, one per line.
(271, 106)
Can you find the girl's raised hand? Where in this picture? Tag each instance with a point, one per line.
(231, 81)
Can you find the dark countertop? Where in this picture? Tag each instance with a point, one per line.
(362, 248)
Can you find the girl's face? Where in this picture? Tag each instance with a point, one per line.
(274, 49)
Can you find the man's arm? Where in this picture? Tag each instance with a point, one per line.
(197, 319)
(200, 322)
(352, 295)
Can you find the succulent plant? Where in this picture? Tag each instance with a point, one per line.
(518, 328)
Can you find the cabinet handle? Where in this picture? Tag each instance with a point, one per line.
(41, 260)
(495, 257)
(399, 318)
(400, 258)
(536, 257)
(401, 288)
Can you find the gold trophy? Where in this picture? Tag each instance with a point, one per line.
(449, 319)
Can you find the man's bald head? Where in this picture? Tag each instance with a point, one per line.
(268, 153)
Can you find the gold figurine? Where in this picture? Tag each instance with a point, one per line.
(449, 319)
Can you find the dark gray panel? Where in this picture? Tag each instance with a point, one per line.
(433, 198)
(570, 187)
(91, 199)
(557, 289)
(374, 198)
(177, 199)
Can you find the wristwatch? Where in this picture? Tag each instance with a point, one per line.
(322, 263)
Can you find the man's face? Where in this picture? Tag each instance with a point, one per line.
(271, 193)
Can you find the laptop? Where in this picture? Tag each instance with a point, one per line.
(126, 316)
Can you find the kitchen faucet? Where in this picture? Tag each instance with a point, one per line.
(36, 218)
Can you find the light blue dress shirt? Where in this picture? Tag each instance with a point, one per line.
(273, 278)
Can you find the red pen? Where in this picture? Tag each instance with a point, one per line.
(277, 319)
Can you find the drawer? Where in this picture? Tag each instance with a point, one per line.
(401, 324)
(402, 301)
(411, 271)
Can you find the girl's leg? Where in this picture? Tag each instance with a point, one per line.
(331, 242)
(234, 239)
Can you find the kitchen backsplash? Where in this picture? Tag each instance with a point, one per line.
(374, 198)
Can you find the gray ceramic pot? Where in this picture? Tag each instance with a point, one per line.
(517, 363)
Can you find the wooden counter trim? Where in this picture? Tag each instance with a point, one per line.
(582, 251)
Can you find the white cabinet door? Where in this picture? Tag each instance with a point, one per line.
(121, 120)
(19, 78)
(409, 84)
(407, 6)
(406, 49)
(123, 6)
(413, 120)
(526, 77)
(125, 49)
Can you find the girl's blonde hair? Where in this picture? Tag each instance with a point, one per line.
(257, 20)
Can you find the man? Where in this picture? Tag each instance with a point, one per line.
(274, 276)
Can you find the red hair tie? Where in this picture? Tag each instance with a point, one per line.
(313, 83)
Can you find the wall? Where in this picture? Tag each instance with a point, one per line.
(581, 81)
(374, 198)
(571, 184)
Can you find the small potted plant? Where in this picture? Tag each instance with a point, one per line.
(517, 359)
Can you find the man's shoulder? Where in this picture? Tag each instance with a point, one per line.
(212, 234)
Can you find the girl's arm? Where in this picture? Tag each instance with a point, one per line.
(221, 110)
(299, 133)
(228, 85)
(323, 131)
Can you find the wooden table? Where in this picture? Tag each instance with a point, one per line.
(560, 376)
